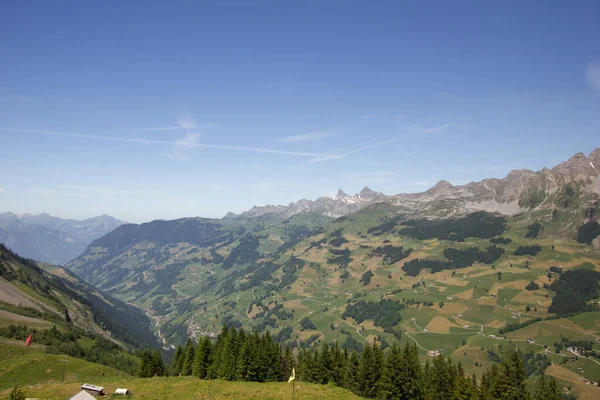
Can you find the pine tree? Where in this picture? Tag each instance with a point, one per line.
(177, 361)
(351, 378)
(302, 365)
(439, 380)
(512, 379)
(386, 386)
(546, 389)
(339, 361)
(215, 358)
(410, 379)
(243, 360)
(188, 359)
(157, 364)
(270, 369)
(287, 363)
(254, 370)
(464, 388)
(324, 364)
(202, 358)
(553, 393)
(369, 370)
(228, 356)
(145, 364)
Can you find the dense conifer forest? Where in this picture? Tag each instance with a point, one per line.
(396, 373)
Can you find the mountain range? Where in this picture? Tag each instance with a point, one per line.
(192, 275)
(51, 239)
(576, 179)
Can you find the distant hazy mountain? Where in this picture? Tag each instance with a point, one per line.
(332, 206)
(52, 239)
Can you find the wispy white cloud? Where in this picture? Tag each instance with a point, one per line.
(592, 76)
(167, 142)
(406, 152)
(183, 146)
(439, 128)
(309, 136)
(419, 123)
(184, 123)
(167, 155)
(357, 150)
(1, 189)
(367, 116)
(143, 141)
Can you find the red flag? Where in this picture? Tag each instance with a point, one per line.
(28, 340)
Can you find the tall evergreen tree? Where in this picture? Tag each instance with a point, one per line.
(440, 385)
(177, 363)
(351, 378)
(157, 364)
(272, 357)
(369, 370)
(410, 379)
(387, 385)
(324, 364)
(255, 370)
(214, 368)
(287, 363)
(228, 356)
(464, 388)
(511, 382)
(202, 358)
(546, 389)
(339, 361)
(188, 359)
(145, 364)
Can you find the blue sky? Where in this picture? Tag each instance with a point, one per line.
(146, 110)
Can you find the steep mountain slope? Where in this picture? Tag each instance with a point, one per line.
(43, 295)
(274, 270)
(52, 239)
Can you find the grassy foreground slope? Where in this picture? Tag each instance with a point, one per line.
(184, 388)
(24, 365)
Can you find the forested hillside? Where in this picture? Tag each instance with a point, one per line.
(394, 374)
(52, 295)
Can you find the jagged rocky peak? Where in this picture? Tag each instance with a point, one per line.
(230, 215)
(367, 193)
(341, 193)
(577, 165)
(440, 187)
